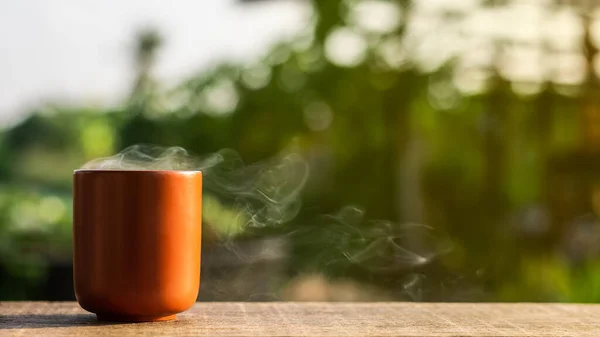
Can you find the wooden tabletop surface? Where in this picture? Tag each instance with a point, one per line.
(314, 319)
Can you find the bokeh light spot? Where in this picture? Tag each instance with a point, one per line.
(318, 116)
(345, 47)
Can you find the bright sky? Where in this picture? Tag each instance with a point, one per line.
(80, 50)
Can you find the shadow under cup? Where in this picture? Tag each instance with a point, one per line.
(136, 237)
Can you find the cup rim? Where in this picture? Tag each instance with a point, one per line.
(138, 171)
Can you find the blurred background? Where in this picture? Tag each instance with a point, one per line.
(454, 145)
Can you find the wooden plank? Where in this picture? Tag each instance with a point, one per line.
(318, 319)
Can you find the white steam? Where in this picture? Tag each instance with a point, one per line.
(384, 246)
(146, 157)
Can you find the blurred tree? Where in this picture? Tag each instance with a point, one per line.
(429, 119)
(145, 87)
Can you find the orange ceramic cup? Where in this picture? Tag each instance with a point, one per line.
(136, 238)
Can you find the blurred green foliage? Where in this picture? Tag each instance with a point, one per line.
(396, 138)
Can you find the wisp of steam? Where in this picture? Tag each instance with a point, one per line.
(268, 193)
(385, 245)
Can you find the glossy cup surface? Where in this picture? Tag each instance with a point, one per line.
(136, 237)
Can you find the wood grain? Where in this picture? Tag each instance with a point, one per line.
(314, 319)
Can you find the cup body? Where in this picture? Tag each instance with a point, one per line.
(136, 237)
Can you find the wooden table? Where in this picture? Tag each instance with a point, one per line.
(318, 319)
